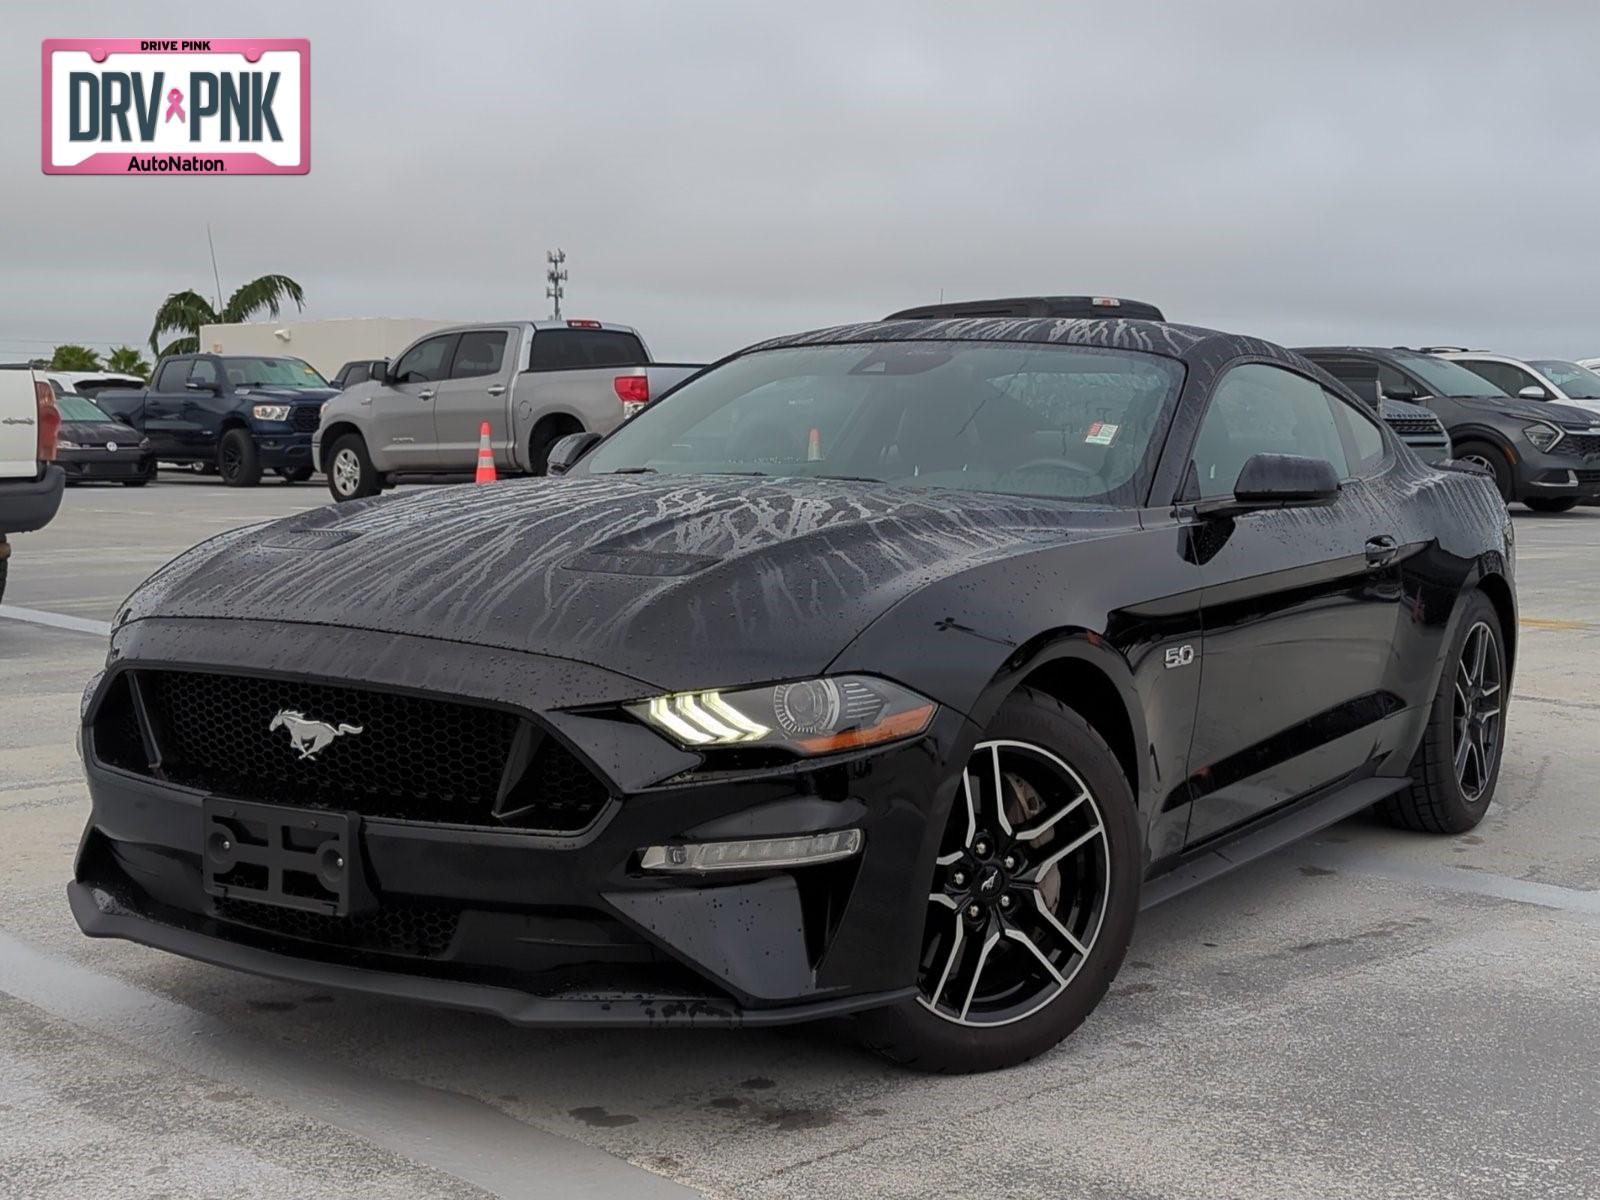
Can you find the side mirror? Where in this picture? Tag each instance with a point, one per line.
(1404, 394)
(1533, 392)
(1276, 481)
(200, 385)
(379, 370)
(567, 451)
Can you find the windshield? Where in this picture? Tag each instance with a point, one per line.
(79, 408)
(1034, 420)
(1445, 378)
(272, 372)
(1575, 382)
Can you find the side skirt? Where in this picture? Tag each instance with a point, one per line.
(1271, 833)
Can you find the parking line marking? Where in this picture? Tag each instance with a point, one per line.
(449, 1131)
(1576, 901)
(36, 616)
(1555, 623)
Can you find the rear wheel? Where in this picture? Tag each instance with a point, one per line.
(351, 474)
(238, 461)
(1545, 504)
(1033, 900)
(545, 435)
(1456, 766)
(1483, 455)
(3, 563)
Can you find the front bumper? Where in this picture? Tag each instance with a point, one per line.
(544, 929)
(281, 446)
(98, 463)
(1557, 476)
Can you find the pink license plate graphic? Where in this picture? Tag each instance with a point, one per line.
(172, 106)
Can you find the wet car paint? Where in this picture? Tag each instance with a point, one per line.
(565, 598)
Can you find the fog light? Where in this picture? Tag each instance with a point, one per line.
(801, 851)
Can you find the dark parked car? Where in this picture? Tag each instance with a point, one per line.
(883, 670)
(1544, 454)
(359, 370)
(240, 413)
(1414, 425)
(91, 446)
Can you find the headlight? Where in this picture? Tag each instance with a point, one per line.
(144, 443)
(1541, 435)
(271, 412)
(63, 444)
(814, 716)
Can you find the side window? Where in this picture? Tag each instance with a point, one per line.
(424, 362)
(1261, 409)
(480, 352)
(1504, 376)
(1397, 384)
(173, 375)
(1363, 439)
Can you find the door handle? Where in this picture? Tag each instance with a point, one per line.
(427, 395)
(497, 389)
(1381, 550)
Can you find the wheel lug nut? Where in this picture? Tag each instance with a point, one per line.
(974, 911)
(1005, 901)
(959, 879)
(1010, 862)
(981, 849)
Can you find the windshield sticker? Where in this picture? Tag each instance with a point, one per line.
(1101, 433)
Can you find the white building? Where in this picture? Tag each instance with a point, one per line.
(326, 345)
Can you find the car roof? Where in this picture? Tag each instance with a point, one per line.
(1085, 307)
(1149, 337)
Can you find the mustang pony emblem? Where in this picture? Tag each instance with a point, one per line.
(309, 737)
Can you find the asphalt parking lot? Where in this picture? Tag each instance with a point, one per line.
(1371, 1013)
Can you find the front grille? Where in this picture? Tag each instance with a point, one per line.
(1588, 475)
(403, 757)
(307, 417)
(1583, 444)
(414, 930)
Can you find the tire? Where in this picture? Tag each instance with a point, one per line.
(1490, 457)
(1443, 797)
(1545, 504)
(4, 563)
(1025, 1011)
(544, 437)
(294, 474)
(238, 461)
(351, 475)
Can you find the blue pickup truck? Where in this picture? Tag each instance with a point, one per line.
(241, 414)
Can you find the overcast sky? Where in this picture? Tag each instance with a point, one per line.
(1307, 172)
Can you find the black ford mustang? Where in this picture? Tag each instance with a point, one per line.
(883, 670)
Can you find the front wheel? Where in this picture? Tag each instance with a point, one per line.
(1034, 895)
(351, 474)
(1547, 504)
(1480, 454)
(1455, 768)
(238, 461)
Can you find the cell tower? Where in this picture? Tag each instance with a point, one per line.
(557, 275)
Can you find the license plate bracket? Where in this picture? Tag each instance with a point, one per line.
(299, 858)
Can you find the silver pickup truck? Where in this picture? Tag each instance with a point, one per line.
(534, 382)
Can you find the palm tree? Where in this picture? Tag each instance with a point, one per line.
(125, 360)
(185, 312)
(74, 358)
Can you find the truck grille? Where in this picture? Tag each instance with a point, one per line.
(403, 757)
(307, 417)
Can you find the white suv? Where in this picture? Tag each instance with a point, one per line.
(30, 487)
(1556, 379)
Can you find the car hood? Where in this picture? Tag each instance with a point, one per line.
(676, 582)
(98, 433)
(1533, 410)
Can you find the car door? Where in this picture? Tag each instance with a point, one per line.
(1299, 606)
(474, 391)
(405, 405)
(207, 400)
(163, 407)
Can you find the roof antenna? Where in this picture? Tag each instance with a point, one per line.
(215, 277)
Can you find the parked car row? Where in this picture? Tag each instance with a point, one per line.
(882, 671)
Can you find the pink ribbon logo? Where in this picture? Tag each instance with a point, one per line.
(175, 105)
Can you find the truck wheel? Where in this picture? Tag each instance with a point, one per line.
(238, 462)
(544, 437)
(294, 474)
(351, 474)
(3, 563)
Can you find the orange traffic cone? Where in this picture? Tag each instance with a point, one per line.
(485, 457)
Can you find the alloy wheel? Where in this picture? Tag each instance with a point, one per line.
(1475, 712)
(231, 461)
(1020, 888)
(346, 471)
